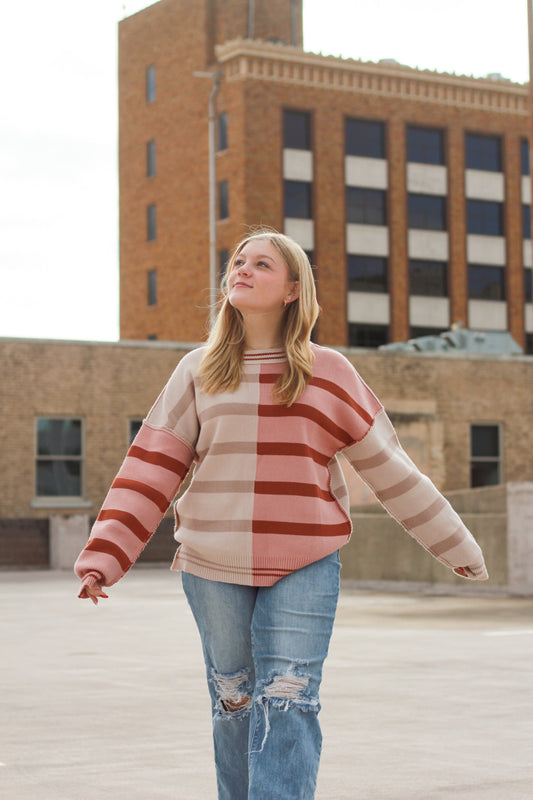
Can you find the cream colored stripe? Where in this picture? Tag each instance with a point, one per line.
(216, 525)
(449, 543)
(221, 487)
(425, 516)
(400, 488)
(180, 409)
(376, 460)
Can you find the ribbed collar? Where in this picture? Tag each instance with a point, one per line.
(275, 356)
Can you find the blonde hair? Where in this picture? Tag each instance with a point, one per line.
(221, 366)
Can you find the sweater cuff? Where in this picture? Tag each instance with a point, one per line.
(90, 580)
(477, 572)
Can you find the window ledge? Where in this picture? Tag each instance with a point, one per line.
(60, 502)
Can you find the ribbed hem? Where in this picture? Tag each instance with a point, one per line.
(89, 581)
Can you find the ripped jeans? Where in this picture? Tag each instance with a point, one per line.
(264, 649)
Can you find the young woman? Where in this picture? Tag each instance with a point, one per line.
(262, 413)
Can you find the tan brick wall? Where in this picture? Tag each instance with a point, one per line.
(109, 384)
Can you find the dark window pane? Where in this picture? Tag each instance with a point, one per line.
(527, 284)
(223, 200)
(150, 159)
(150, 84)
(483, 152)
(427, 278)
(524, 156)
(361, 335)
(59, 437)
(526, 221)
(367, 274)
(297, 199)
(152, 287)
(529, 344)
(485, 441)
(425, 146)
(484, 473)
(427, 212)
(297, 130)
(484, 217)
(366, 206)
(58, 478)
(365, 138)
(151, 222)
(222, 142)
(418, 331)
(486, 282)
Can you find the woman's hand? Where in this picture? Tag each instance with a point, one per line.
(93, 592)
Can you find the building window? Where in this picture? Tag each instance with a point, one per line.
(223, 258)
(150, 159)
(366, 206)
(134, 428)
(223, 200)
(427, 212)
(59, 463)
(222, 132)
(150, 84)
(524, 156)
(485, 465)
(417, 331)
(367, 274)
(425, 145)
(527, 284)
(486, 282)
(483, 152)
(484, 217)
(427, 278)
(526, 221)
(297, 199)
(151, 222)
(365, 138)
(152, 287)
(529, 344)
(361, 335)
(297, 130)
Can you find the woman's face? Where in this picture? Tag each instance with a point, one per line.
(259, 281)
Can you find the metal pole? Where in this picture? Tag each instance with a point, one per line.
(211, 129)
(530, 41)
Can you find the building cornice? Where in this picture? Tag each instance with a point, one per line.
(257, 60)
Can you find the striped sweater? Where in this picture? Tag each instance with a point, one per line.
(267, 495)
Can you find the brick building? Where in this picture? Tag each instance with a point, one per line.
(409, 189)
(63, 442)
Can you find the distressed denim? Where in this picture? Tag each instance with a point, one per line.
(264, 648)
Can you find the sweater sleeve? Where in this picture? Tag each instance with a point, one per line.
(410, 497)
(149, 478)
(413, 500)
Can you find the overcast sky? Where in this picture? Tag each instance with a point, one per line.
(58, 132)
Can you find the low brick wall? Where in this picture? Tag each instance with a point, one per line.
(24, 543)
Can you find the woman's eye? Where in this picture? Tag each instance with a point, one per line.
(262, 264)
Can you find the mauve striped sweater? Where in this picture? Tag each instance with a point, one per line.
(267, 495)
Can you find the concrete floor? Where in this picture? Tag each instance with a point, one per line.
(424, 697)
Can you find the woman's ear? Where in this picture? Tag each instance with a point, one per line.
(293, 293)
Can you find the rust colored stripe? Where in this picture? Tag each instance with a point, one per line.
(290, 489)
(302, 410)
(142, 488)
(300, 528)
(336, 390)
(286, 449)
(110, 549)
(159, 459)
(450, 542)
(399, 488)
(128, 520)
